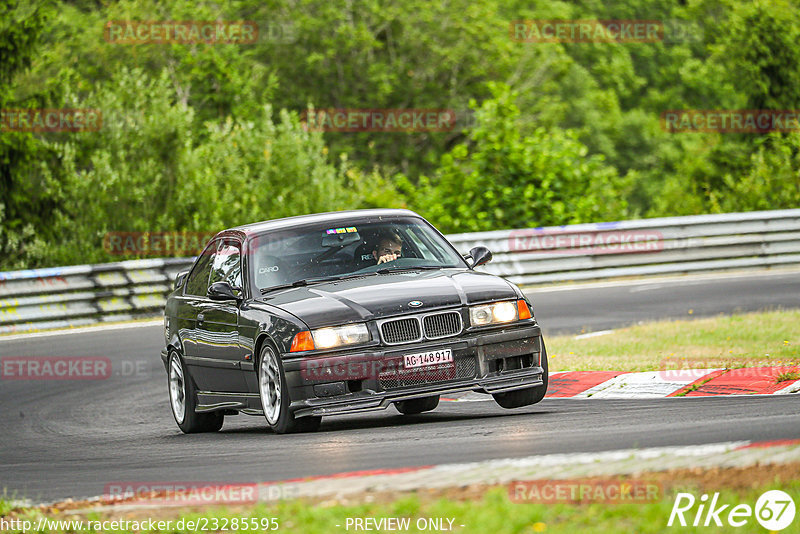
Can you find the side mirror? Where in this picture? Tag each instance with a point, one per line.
(480, 256)
(222, 291)
(181, 278)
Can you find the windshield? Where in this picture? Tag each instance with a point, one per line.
(337, 250)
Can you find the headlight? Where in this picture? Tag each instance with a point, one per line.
(326, 338)
(497, 313)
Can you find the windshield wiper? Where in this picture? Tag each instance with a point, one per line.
(307, 281)
(298, 283)
(387, 270)
(336, 278)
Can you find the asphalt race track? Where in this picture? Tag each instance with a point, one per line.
(71, 438)
(594, 307)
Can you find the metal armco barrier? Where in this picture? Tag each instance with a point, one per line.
(87, 294)
(671, 245)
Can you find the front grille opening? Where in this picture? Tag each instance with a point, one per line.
(442, 325)
(434, 326)
(464, 368)
(513, 363)
(401, 331)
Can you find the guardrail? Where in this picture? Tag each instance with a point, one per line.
(87, 294)
(759, 239)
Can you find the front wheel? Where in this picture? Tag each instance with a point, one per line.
(528, 396)
(275, 399)
(183, 400)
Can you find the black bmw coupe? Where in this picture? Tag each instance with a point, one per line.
(335, 313)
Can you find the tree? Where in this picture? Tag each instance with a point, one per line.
(504, 179)
(28, 190)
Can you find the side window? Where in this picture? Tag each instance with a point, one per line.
(197, 283)
(226, 265)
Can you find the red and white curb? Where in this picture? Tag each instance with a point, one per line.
(504, 471)
(668, 383)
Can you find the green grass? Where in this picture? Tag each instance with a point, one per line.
(785, 377)
(740, 340)
(495, 514)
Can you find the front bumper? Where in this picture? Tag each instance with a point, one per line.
(371, 379)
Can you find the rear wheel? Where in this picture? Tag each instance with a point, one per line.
(275, 399)
(414, 406)
(525, 397)
(183, 400)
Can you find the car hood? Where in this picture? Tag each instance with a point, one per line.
(385, 295)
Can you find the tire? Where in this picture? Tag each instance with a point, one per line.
(183, 400)
(415, 406)
(528, 396)
(274, 395)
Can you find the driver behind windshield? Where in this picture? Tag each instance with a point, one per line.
(388, 247)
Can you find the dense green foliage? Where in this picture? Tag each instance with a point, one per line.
(501, 177)
(200, 137)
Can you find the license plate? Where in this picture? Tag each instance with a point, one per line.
(431, 357)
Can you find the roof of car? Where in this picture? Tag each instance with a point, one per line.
(332, 217)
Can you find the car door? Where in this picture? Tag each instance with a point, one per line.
(217, 332)
(191, 304)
